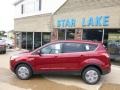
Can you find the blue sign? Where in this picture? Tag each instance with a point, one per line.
(66, 23)
(97, 21)
(91, 21)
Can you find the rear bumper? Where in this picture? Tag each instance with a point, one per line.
(106, 70)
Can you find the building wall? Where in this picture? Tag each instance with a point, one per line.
(85, 9)
(54, 35)
(78, 34)
(37, 23)
(29, 6)
(83, 5)
(112, 12)
(78, 9)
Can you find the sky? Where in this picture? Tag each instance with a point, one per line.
(7, 15)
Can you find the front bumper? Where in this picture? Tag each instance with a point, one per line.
(12, 66)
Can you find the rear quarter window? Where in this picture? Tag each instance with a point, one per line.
(90, 47)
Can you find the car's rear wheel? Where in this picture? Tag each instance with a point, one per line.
(23, 71)
(91, 75)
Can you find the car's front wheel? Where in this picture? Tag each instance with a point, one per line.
(23, 71)
(91, 75)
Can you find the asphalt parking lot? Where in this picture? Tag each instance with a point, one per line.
(8, 80)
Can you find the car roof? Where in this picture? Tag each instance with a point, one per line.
(78, 41)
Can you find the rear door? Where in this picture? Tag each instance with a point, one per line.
(71, 56)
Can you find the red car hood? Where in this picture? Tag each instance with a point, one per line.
(21, 53)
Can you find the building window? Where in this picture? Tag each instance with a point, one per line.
(112, 41)
(70, 34)
(66, 34)
(37, 40)
(61, 34)
(22, 9)
(29, 40)
(18, 39)
(24, 38)
(33, 40)
(46, 37)
(92, 34)
(39, 5)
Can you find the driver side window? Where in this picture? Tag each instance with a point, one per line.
(51, 49)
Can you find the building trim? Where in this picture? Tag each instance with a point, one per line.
(39, 15)
(17, 2)
(60, 7)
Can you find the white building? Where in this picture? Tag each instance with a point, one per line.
(33, 22)
(36, 7)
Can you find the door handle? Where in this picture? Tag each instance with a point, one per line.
(81, 55)
(55, 56)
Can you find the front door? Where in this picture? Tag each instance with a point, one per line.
(46, 61)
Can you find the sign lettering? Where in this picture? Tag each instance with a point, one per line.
(90, 22)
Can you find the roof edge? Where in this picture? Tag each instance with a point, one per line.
(41, 15)
(60, 7)
(17, 2)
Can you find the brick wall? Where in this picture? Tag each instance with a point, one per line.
(82, 5)
(54, 35)
(78, 34)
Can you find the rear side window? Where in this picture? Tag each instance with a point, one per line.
(72, 47)
(89, 47)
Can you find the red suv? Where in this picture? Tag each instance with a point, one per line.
(86, 58)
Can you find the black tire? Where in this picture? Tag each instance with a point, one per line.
(92, 69)
(17, 71)
(4, 52)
